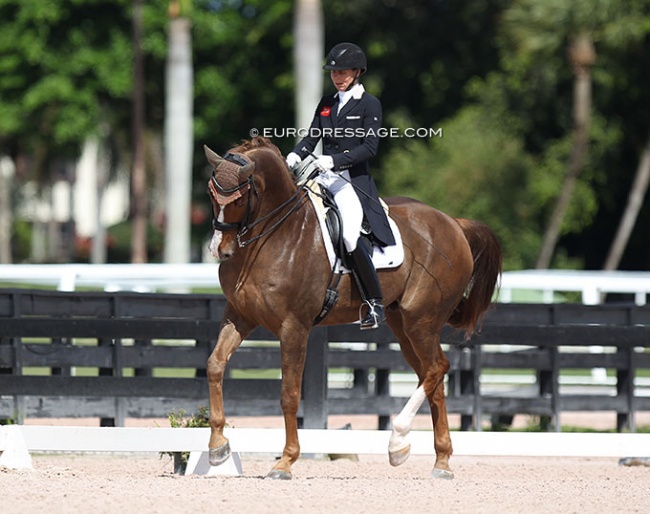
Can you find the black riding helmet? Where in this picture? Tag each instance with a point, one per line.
(345, 56)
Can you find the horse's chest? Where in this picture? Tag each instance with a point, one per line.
(253, 293)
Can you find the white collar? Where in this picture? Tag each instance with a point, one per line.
(355, 92)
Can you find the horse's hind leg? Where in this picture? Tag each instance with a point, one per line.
(399, 449)
(435, 391)
(424, 354)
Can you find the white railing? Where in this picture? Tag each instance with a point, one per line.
(318, 441)
(592, 285)
(113, 277)
(546, 284)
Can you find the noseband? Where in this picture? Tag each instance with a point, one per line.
(224, 196)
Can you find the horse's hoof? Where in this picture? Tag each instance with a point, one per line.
(399, 457)
(442, 473)
(219, 455)
(277, 474)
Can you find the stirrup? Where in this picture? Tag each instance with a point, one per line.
(374, 316)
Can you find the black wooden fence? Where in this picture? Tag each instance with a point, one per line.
(119, 355)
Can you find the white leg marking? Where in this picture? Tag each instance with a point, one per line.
(404, 420)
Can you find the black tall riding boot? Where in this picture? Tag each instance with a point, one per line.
(368, 281)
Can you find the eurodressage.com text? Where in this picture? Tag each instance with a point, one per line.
(345, 132)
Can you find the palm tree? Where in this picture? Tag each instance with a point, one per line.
(138, 174)
(634, 203)
(540, 29)
(179, 133)
(6, 217)
(582, 57)
(308, 51)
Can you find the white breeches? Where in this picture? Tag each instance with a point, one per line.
(348, 203)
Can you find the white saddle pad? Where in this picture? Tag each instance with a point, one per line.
(382, 258)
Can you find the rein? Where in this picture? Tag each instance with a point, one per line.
(297, 197)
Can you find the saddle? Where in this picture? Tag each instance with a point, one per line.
(331, 223)
(334, 224)
(306, 171)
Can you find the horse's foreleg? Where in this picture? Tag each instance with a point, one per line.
(229, 340)
(293, 364)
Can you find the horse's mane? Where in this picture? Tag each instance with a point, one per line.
(255, 143)
(262, 143)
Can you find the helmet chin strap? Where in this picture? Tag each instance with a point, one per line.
(355, 81)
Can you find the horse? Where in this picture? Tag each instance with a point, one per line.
(267, 237)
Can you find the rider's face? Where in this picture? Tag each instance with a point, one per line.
(343, 78)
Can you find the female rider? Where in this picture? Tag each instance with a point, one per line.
(348, 122)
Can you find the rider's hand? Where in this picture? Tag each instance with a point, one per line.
(293, 159)
(325, 162)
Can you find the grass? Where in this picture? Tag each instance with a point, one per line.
(538, 426)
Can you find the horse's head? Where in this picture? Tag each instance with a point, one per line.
(236, 187)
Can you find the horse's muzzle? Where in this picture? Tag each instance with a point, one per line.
(226, 248)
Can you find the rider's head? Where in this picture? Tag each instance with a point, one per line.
(346, 62)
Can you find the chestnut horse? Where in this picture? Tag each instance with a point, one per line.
(274, 272)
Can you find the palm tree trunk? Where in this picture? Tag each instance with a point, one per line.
(581, 118)
(634, 204)
(179, 141)
(6, 218)
(138, 173)
(98, 249)
(307, 57)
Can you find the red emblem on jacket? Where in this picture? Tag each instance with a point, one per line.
(326, 111)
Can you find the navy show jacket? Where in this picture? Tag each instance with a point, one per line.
(351, 138)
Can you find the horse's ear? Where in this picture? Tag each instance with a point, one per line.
(212, 157)
(246, 169)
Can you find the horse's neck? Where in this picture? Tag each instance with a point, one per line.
(279, 188)
(283, 198)
(281, 194)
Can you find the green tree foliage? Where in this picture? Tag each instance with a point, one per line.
(477, 170)
(537, 31)
(63, 64)
(527, 97)
(66, 72)
(243, 73)
(421, 53)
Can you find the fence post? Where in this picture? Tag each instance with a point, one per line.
(470, 386)
(19, 401)
(548, 383)
(382, 389)
(314, 384)
(116, 369)
(625, 389)
(476, 387)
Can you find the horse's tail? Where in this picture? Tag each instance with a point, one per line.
(486, 252)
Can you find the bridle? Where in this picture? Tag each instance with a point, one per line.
(216, 191)
(245, 225)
